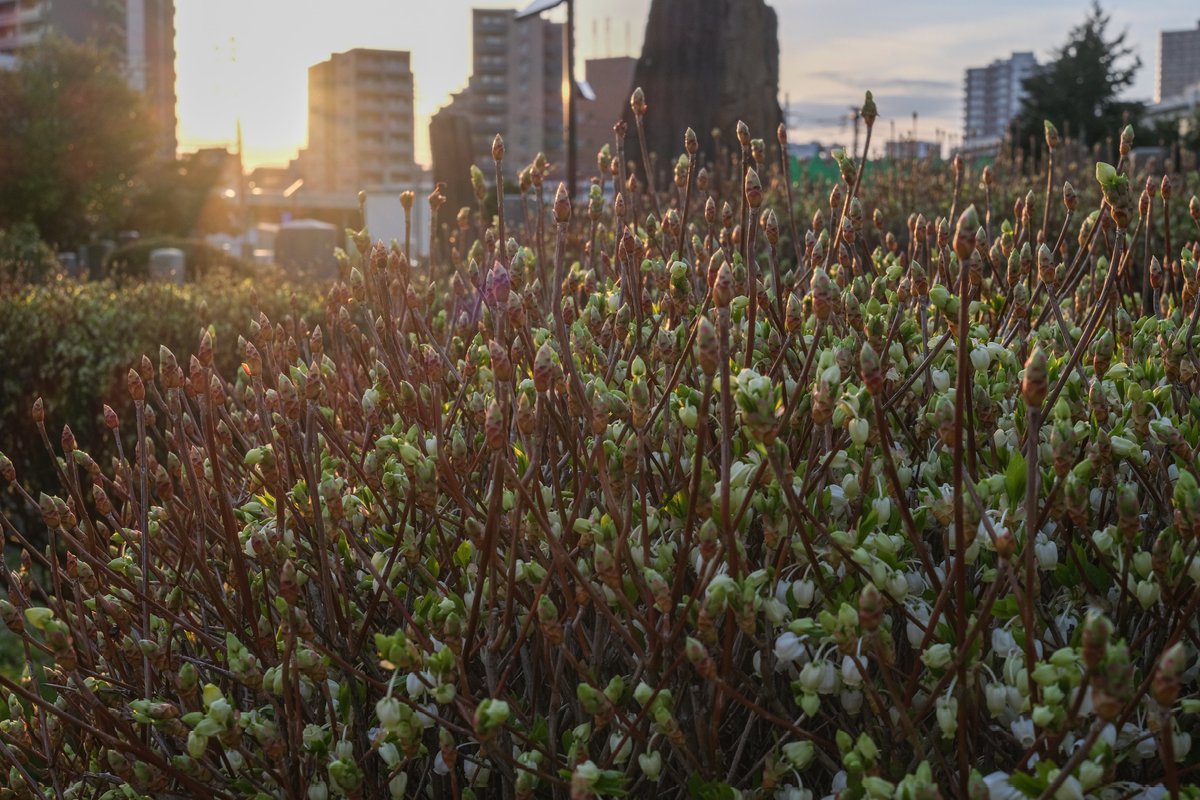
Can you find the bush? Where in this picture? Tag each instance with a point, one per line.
(24, 256)
(202, 259)
(72, 342)
(650, 516)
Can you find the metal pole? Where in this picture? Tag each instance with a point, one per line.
(570, 109)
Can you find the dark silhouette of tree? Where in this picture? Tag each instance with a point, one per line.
(1078, 91)
(73, 137)
(1179, 135)
(180, 198)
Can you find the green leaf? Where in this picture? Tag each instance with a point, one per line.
(1005, 608)
(1026, 784)
(462, 555)
(867, 524)
(540, 732)
(38, 617)
(1096, 576)
(612, 784)
(700, 789)
(1014, 477)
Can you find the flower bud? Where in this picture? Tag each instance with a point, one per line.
(872, 371)
(964, 233)
(869, 112)
(798, 754)
(937, 656)
(754, 192)
(822, 294)
(543, 368)
(947, 715)
(651, 765)
(723, 287)
(691, 143)
(707, 352)
(637, 102)
(1034, 385)
(1070, 198)
(1096, 632)
(997, 699)
(859, 430)
(137, 389)
(870, 607)
(562, 205)
(1165, 684)
(1051, 135)
(490, 715)
(743, 133)
(388, 712)
(493, 427)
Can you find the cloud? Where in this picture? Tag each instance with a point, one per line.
(856, 80)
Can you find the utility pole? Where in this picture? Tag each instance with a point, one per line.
(856, 115)
(243, 200)
(569, 75)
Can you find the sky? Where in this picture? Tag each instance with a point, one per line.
(247, 60)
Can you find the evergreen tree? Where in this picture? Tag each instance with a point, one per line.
(1078, 91)
(73, 137)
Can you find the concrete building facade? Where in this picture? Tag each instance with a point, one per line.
(360, 123)
(141, 34)
(611, 81)
(993, 97)
(515, 88)
(1178, 63)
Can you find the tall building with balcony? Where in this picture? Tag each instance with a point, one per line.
(21, 25)
(993, 97)
(360, 123)
(1178, 63)
(140, 34)
(515, 89)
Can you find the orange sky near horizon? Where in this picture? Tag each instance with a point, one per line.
(248, 60)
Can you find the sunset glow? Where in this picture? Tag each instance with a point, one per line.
(249, 60)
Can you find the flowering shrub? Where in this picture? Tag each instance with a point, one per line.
(623, 508)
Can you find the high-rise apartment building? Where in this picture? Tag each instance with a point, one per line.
(993, 98)
(1178, 63)
(515, 88)
(360, 123)
(140, 33)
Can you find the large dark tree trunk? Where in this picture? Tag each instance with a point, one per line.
(706, 64)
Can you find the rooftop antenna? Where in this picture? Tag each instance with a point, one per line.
(608, 37)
